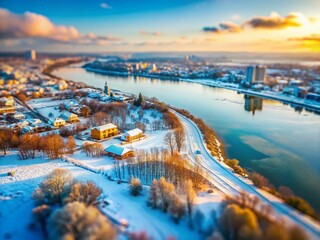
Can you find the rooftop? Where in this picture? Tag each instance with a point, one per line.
(105, 127)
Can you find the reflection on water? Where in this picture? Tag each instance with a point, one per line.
(251, 103)
(282, 142)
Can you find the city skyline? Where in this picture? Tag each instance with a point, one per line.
(127, 26)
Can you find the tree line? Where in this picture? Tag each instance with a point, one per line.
(157, 163)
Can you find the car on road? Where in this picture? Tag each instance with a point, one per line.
(198, 151)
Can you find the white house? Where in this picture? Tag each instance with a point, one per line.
(132, 135)
(57, 122)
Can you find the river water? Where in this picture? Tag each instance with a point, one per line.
(276, 140)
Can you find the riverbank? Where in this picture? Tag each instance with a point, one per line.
(310, 105)
(248, 138)
(47, 70)
(213, 142)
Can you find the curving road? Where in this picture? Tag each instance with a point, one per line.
(230, 184)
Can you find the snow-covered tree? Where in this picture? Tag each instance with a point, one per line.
(53, 188)
(153, 194)
(77, 221)
(190, 197)
(177, 207)
(135, 187)
(179, 137)
(87, 193)
(165, 189)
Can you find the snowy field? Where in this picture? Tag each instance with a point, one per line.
(16, 203)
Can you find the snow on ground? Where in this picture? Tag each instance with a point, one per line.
(47, 102)
(154, 139)
(16, 202)
(51, 112)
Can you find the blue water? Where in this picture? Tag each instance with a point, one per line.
(274, 139)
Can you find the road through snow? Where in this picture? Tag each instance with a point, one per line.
(230, 184)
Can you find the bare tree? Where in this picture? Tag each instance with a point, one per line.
(190, 197)
(29, 144)
(5, 139)
(153, 194)
(169, 140)
(179, 137)
(100, 118)
(93, 149)
(71, 144)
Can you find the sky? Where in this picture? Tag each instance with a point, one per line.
(160, 26)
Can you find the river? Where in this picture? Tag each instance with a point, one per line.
(276, 140)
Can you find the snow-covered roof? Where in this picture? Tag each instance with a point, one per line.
(133, 132)
(105, 127)
(53, 120)
(117, 150)
(67, 115)
(18, 115)
(34, 120)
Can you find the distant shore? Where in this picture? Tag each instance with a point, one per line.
(208, 82)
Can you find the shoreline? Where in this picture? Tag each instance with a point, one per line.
(229, 86)
(219, 144)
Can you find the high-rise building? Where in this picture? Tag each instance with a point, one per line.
(255, 74)
(260, 73)
(31, 55)
(250, 74)
(106, 88)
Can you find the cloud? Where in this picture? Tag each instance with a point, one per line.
(230, 27)
(32, 25)
(151, 33)
(211, 29)
(275, 21)
(314, 19)
(105, 6)
(236, 17)
(224, 27)
(312, 42)
(311, 38)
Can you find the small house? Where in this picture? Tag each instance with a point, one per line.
(41, 127)
(57, 122)
(119, 152)
(19, 116)
(132, 135)
(69, 117)
(33, 121)
(104, 131)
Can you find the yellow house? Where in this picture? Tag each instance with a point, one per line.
(4, 110)
(132, 135)
(57, 122)
(69, 117)
(104, 131)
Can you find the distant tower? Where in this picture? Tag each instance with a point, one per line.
(106, 88)
(186, 57)
(260, 73)
(31, 55)
(154, 67)
(256, 74)
(250, 75)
